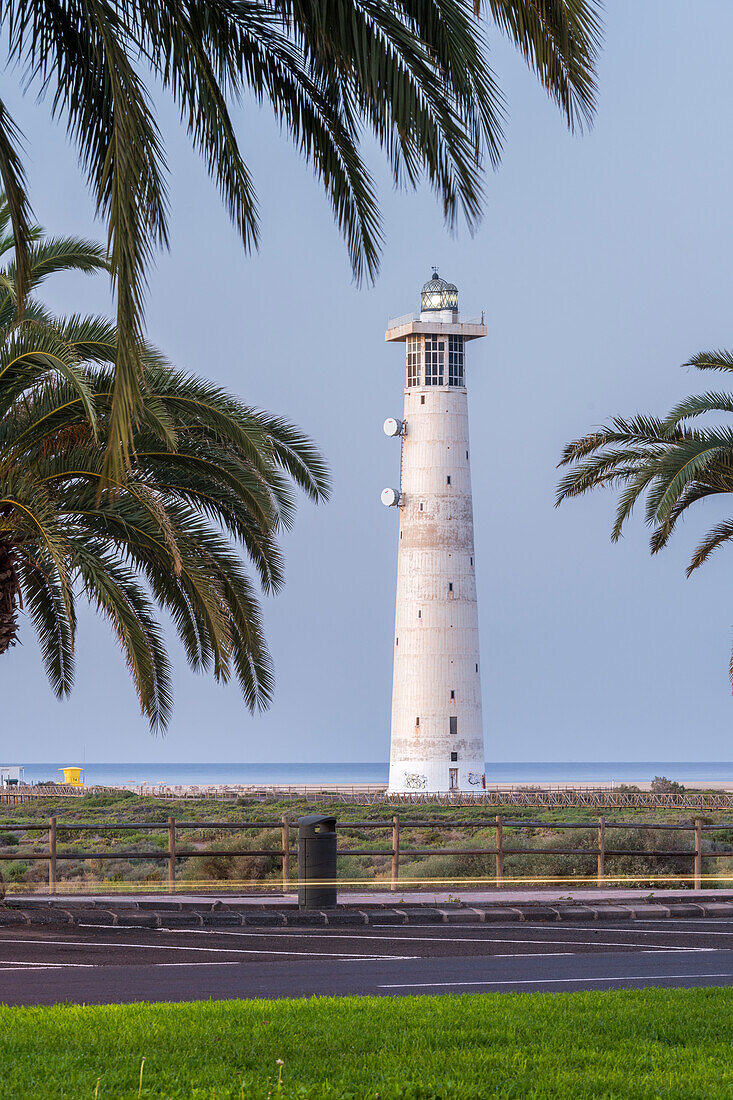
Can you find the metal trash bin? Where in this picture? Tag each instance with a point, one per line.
(317, 862)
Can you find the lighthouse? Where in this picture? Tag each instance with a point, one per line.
(437, 741)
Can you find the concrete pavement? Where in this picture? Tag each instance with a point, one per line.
(197, 911)
(382, 896)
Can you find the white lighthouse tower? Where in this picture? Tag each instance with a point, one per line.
(437, 729)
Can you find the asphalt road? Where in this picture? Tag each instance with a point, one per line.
(102, 965)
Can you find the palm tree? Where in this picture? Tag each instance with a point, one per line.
(210, 484)
(669, 460)
(413, 73)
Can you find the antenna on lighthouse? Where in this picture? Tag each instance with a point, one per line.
(392, 426)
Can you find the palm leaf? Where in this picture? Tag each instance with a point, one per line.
(698, 405)
(51, 608)
(682, 464)
(115, 592)
(17, 205)
(560, 40)
(410, 75)
(711, 360)
(723, 532)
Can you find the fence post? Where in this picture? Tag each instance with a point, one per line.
(499, 850)
(286, 853)
(52, 855)
(395, 851)
(601, 849)
(171, 855)
(698, 853)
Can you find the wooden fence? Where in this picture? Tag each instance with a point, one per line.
(397, 850)
(13, 796)
(598, 798)
(55, 828)
(500, 850)
(544, 798)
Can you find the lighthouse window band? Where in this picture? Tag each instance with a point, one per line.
(455, 360)
(435, 360)
(413, 360)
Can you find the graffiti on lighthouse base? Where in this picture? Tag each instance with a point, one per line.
(415, 782)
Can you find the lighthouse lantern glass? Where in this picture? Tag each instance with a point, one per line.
(437, 295)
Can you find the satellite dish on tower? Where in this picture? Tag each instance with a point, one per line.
(392, 426)
(390, 498)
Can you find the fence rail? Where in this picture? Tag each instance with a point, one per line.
(395, 852)
(13, 796)
(595, 798)
(549, 797)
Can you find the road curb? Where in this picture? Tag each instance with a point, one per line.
(130, 914)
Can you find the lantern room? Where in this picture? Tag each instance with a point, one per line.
(438, 296)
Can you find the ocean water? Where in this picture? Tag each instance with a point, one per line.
(535, 772)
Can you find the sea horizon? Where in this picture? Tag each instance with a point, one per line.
(205, 773)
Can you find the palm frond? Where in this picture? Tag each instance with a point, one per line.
(51, 607)
(711, 360)
(683, 463)
(698, 405)
(719, 534)
(611, 467)
(560, 41)
(638, 481)
(411, 75)
(115, 592)
(28, 354)
(690, 494)
(296, 454)
(209, 488)
(672, 463)
(17, 203)
(52, 255)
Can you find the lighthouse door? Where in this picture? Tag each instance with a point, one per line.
(453, 778)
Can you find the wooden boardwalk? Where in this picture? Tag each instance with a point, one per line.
(551, 796)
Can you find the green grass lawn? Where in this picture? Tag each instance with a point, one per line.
(646, 1043)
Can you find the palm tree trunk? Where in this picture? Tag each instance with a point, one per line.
(9, 590)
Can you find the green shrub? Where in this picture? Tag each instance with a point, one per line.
(17, 871)
(661, 785)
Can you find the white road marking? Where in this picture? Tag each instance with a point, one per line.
(231, 962)
(347, 957)
(533, 955)
(23, 966)
(29, 962)
(658, 932)
(671, 931)
(431, 939)
(555, 981)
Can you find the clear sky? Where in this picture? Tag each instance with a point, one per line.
(604, 261)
